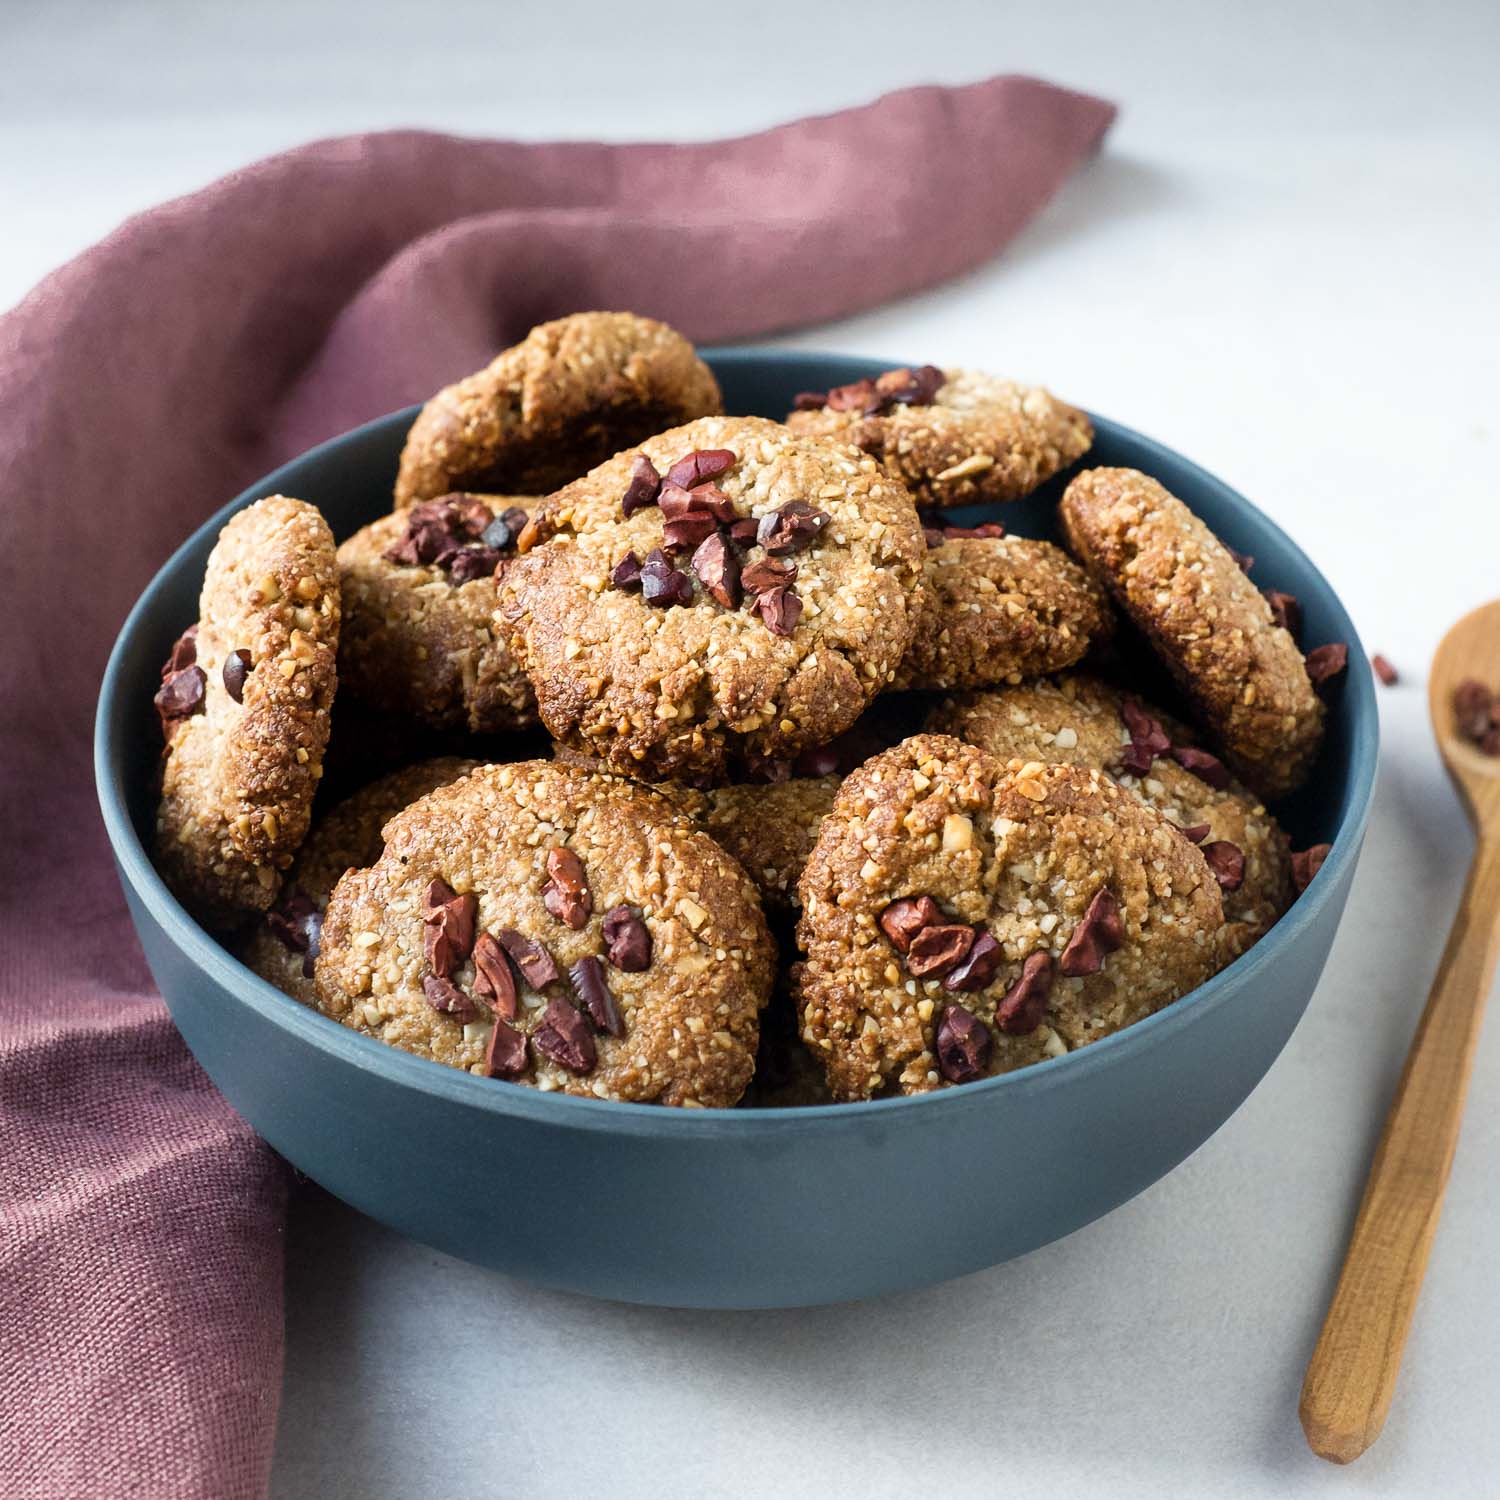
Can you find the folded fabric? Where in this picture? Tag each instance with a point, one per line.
(141, 386)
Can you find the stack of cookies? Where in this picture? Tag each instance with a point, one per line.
(716, 764)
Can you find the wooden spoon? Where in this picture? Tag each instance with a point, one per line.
(1352, 1374)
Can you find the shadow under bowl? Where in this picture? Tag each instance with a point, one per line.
(734, 1208)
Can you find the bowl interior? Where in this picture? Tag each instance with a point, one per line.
(350, 480)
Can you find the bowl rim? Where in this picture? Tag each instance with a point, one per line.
(573, 1112)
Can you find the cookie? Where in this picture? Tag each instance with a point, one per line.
(1000, 609)
(571, 932)
(283, 946)
(954, 437)
(1212, 627)
(770, 828)
(418, 639)
(1080, 721)
(244, 705)
(547, 410)
(962, 920)
(727, 593)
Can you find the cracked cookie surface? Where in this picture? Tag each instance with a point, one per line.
(418, 640)
(244, 757)
(540, 860)
(1078, 721)
(1215, 631)
(979, 438)
(1019, 868)
(548, 409)
(283, 947)
(687, 684)
(1000, 609)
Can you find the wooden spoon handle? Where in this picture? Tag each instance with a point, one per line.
(1352, 1374)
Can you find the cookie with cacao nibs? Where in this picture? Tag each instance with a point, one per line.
(677, 665)
(1242, 672)
(1000, 609)
(962, 918)
(954, 437)
(282, 946)
(418, 640)
(1078, 720)
(588, 937)
(541, 413)
(244, 705)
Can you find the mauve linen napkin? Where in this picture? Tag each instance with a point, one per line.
(141, 386)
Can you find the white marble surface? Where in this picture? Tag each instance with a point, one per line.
(1285, 265)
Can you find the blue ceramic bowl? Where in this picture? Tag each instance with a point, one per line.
(733, 1208)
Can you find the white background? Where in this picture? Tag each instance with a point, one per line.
(1284, 264)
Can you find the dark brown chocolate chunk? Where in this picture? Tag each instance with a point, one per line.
(1325, 662)
(742, 532)
(180, 697)
(471, 514)
(663, 585)
(1204, 766)
(445, 997)
(1384, 670)
(296, 922)
(902, 920)
(701, 465)
(627, 574)
(855, 396)
(627, 939)
(1195, 833)
(718, 570)
(979, 968)
(962, 1045)
(1473, 709)
(935, 950)
(1227, 861)
(809, 400)
(984, 529)
(236, 670)
(184, 653)
(792, 527)
(768, 573)
(1024, 1005)
(1147, 738)
(566, 894)
(1306, 863)
(1285, 609)
(934, 536)
(711, 498)
(587, 977)
(564, 1036)
(644, 486)
(905, 387)
(436, 530)
(1242, 560)
(780, 609)
(493, 979)
(1100, 932)
(687, 532)
(448, 927)
(505, 1056)
(538, 967)
(470, 563)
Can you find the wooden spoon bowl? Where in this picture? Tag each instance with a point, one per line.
(1352, 1374)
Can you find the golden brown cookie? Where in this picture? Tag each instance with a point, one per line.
(961, 920)
(1080, 721)
(244, 704)
(283, 946)
(541, 413)
(549, 927)
(728, 591)
(1000, 609)
(770, 828)
(1211, 626)
(955, 437)
(418, 639)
